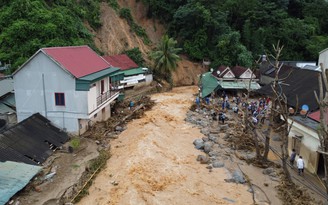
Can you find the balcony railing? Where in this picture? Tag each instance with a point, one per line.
(105, 96)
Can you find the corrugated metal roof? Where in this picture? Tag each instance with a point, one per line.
(238, 71)
(209, 84)
(5, 109)
(98, 75)
(9, 100)
(134, 71)
(78, 60)
(121, 61)
(6, 86)
(14, 177)
(299, 88)
(83, 84)
(30, 140)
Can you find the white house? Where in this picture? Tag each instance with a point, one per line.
(68, 85)
(303, 137)
(323, 58)
(236, 78)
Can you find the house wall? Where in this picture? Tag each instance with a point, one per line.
(247, 75)
(323, 58)
(308, 147)
(149, 78)
(41, 75)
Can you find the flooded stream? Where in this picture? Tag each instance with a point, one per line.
(154, 162)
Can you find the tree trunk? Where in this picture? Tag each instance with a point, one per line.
(266, 147)
(325, 181)
(284, 153)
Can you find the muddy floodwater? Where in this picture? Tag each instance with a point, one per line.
(154, 162)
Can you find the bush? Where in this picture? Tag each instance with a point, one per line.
(75, 143)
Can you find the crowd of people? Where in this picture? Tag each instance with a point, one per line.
(257, 109)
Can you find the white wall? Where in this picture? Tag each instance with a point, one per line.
(309, 145)
(30, 99)
(149, 78)
(248, 74)
(323, 58)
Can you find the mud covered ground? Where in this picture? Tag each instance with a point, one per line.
(154, 162)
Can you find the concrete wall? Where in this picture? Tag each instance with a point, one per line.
(323, 58)
(41, 75)
(309, 145)
(149, 79)
(247, 75)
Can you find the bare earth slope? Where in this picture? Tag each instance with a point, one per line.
(115, 36)
(154, 162)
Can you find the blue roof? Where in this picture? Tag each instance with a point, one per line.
(14, 176)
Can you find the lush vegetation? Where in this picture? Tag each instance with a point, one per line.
(227, 32)
(28, 25)
(165, 58)
(136, 55)
(237, 31)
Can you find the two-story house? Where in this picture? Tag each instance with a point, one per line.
(68, 85)
(236, 78)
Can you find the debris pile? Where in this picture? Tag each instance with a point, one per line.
(122, 112)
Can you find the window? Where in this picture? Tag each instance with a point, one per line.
(60, 99)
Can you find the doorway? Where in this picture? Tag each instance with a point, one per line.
(320, 168)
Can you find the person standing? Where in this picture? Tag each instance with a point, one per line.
(223, 118)
(300, 166)
(292, 157)
(197, 102)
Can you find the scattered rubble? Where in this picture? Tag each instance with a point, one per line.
(222, 142)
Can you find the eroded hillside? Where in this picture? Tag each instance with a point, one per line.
(116, 36)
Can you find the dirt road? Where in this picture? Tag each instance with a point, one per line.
(154, 162)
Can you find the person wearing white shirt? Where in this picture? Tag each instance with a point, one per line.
(300, 165)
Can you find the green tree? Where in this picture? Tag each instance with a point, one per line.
(231, 52)
(136, 55)
(165, 58)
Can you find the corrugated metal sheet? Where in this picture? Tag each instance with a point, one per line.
(209, 84)
(30, 141)
(14, 177)
(78, 60)
(99, 75)
(9, 100)
(134, 71)
(83, 84)
(298, 87)
(5, 109)
(121, 61)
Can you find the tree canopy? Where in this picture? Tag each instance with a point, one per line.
(165, 57)
(233, 32)
(238, 31)
(28, 25)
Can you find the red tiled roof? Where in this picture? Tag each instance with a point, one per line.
(221, 69)
(121, 61)
(78, 60)
(238, 71)
(316, 116)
